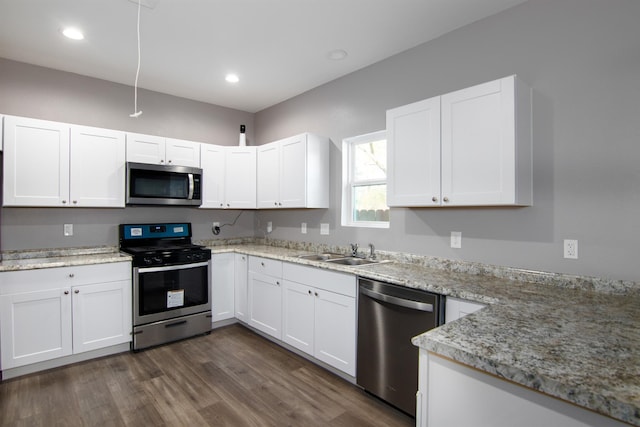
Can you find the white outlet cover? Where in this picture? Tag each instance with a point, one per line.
(324, 229)
(456, 239)
(68, 230)
(303, 228)
(269, 227)
(571, 249)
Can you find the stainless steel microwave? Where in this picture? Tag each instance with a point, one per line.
(163, 185)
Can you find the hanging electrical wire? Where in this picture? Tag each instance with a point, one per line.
(136, 112)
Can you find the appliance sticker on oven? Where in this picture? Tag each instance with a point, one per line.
(178, 229)
(175, 298)
(136, 231)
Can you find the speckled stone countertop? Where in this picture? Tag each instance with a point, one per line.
(51, 258)
(574, 338)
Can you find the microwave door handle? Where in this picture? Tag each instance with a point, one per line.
(191, 187)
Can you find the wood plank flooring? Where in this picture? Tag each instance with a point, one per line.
(232, 377)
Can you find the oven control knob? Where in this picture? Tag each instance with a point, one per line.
(147, 261)
(157, 260)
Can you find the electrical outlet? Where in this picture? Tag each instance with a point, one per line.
(269, 227)
(68, 230)
(324, 229)
(456, 239)
(303, 228)
(571, 249)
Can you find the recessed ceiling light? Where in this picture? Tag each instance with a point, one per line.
(72, 33)
(337, 54)
(232, 78)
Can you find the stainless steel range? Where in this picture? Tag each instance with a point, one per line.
(171, 283)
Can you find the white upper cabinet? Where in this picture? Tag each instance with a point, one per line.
(294, 173)
(58, 164)
(97, 167)
(160, 151)
(413, 154)
(483, 148)
(229, 177)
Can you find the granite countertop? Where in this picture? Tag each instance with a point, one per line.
(569, 337)
(581, 346)
(35, 259)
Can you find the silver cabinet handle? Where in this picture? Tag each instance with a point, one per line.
(416, 305)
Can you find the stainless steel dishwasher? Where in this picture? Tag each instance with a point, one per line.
(388, 317)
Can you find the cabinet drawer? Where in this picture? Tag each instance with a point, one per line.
(49, 278)
(341, 283)
(270, 267)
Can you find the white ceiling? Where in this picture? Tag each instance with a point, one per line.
(278, 48)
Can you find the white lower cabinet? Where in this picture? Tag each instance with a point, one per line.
(222, 286)
(456, 308)
(51, 313)
(319, 314)
(241, 287)
(265, 295)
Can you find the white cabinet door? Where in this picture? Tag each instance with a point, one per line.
(97, 167)
(34, 327)
(240, 177)
(456, 308)
(265, 304)
(268, 176)
(335, 330)
(298, 316)
(413, 154)
(36, 162)
(145, 149)
(293, 172)
(241, 287)
(486, 149)
(182, 153)
(101, 315)
(222, 286)
(213, 176)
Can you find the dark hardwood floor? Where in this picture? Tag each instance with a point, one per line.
(232, 377)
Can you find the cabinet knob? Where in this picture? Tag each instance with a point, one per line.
(66, 292)
(445, 199)
(275, 203)
(161, 161)
(434, 199)
(278, 283)
(72, 275)
(64, 202)
(228, 205)
(77, 291)
(262, 264)
(315, 293)
(75, 202)
(309, 291)
(279, 204)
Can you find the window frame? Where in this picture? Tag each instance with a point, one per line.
(348, 183)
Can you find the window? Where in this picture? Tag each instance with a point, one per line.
(364, 180)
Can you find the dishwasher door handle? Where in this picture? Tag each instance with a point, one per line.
(415, 305)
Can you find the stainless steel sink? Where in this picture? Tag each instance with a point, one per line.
(352, 261)
(321, 257)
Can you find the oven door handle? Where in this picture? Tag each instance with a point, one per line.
(172, 267)
(191, 187)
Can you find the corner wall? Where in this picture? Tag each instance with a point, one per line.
(582, 60)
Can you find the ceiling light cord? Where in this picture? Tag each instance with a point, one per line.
(137, 112)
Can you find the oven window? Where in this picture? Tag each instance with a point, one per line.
(167, 290)
(159, 184)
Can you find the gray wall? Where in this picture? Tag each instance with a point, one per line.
(583, 61)
(31, 91)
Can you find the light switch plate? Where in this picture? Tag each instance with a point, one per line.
(68, 230)
(324, 229)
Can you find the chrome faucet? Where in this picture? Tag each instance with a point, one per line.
(372, 251)
(354, 249)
